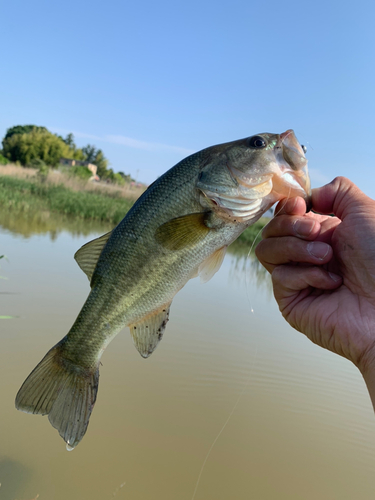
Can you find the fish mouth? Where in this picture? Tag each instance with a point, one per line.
(292, 150)
(292, 179)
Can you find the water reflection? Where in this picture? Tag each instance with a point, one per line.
(244, 265)
(31, 223)
(246, 268)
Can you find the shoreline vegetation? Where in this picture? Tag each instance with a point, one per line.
(62, 196)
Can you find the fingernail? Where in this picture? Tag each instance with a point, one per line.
(335, 277)
(318, 249)
(303, 227)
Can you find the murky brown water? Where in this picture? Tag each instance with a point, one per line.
(283, 418)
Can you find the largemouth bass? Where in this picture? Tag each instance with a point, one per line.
(178, 229)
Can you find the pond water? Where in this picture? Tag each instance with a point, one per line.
(234, 404)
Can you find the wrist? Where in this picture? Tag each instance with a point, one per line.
(367, 368)
(366, 362)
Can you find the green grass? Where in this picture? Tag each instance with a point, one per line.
(28, 196)
(251, 236)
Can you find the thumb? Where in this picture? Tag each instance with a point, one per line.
(339, 197)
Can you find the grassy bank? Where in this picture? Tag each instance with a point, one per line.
(26, 195)
(73, 183)
(22, 193)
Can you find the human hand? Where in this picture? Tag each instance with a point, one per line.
(323, 269)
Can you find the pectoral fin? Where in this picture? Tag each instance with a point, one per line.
(211, 265)
(88, 255)
(184, 231)
(148, 332)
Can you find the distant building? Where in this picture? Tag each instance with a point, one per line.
(67, 162)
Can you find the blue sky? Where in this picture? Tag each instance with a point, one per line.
(151, 82)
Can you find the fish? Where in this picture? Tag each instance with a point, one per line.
(178, 229)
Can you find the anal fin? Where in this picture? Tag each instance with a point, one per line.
(148, 332)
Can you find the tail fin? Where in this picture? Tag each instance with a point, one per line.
(64, 391)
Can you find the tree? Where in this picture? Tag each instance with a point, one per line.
(22, 129)
(73, 153)
(25, 143)
(101, 162)
(96, 156)
(89, 152)
(69, 140)
(36, 144)
(126, 177)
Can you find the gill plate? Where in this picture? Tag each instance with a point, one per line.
(250, 190)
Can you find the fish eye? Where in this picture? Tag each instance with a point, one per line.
(257, 142)
(304, 148)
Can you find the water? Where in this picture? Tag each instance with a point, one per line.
(301, 424)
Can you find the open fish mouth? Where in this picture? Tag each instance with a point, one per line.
(293, 178)
(292, 161)
(292, 150)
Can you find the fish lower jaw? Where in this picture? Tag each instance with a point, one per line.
(288, 185)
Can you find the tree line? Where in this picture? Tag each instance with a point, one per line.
(29, 145)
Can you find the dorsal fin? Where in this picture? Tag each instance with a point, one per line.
(87, 256)
(184, 231)
(211, 265)
(148, 332)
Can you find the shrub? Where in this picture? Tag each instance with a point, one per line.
(43, 169)
(37, 163)
(118, 179)
(81, 172)
(3, 160)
